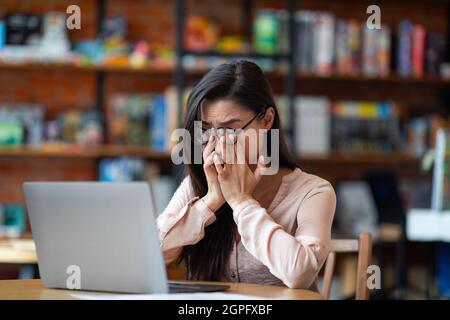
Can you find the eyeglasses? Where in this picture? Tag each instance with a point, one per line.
(220, 132)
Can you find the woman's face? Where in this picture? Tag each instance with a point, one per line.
(228, 114)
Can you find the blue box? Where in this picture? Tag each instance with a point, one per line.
(2, 35)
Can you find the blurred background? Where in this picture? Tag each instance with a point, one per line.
(364, 108)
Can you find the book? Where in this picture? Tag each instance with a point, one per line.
(342, 49)
(365, 126)
(323, 43)
(283, 42)
(312, 125)
(435, 52)
(354, 44)
(418, 50)
(369, 52)
(440, 197)
(143, 119)
(384, 51)
(304, 28)
(404, 47)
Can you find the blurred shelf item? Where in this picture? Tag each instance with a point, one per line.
(390, 232)
(18, 251)
(70, 151)
(428, 225)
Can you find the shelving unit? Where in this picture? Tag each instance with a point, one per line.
(290, 81)
(81, 163)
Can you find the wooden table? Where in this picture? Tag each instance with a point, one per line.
(34, 290)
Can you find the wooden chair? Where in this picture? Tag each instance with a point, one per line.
(363, 247)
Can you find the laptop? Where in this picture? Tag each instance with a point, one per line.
(99, 237)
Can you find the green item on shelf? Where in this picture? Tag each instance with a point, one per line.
(266, 29)
(14, 216)
(11, 133)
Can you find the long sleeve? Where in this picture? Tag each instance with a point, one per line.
(294, 259)
(183, 221)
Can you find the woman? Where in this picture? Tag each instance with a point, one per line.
(228, 221)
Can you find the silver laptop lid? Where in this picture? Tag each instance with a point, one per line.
(103, 232)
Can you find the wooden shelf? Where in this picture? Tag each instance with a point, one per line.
(69, 151)
(40, 66)
(394, 79)
(366, 158)
(250, 55)
(432, 80)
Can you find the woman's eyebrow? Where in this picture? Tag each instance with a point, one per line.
(224, 123)
(229, 122)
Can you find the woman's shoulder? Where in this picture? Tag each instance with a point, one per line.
(305, 183)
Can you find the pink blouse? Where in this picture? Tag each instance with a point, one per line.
(287, 243)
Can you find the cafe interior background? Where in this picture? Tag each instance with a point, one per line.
(96, 98)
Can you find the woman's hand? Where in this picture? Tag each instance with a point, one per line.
(214, 198)
(237, 181)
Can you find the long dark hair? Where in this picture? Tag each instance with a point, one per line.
(244, 83)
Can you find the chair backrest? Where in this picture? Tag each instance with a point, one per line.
(362, 246)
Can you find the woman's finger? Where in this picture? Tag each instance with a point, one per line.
(240, 152)
(209, 147)
(218, 164)
(223, 150)
(209, 161)
(259, 171)
(208, 166)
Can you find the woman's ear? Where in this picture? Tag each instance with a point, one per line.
(268, 119)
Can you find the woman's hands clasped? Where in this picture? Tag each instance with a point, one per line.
(237, 181)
